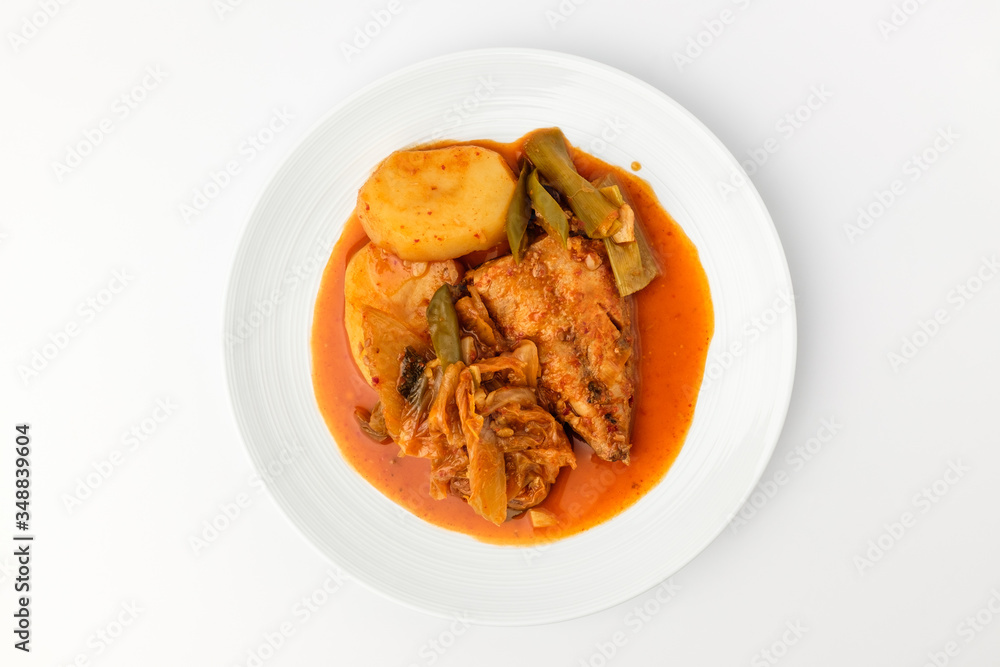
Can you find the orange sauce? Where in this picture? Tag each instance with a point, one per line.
(674, 323)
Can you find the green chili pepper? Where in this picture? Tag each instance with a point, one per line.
(518, 213)
(548, 211)
(547, 151)
(443, 324)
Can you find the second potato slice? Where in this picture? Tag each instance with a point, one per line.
(428, 205)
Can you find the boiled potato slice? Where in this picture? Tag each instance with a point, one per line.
(377, 279)
(437, 204)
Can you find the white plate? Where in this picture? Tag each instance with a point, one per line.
(501, 94)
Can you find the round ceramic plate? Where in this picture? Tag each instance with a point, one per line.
(500, 94)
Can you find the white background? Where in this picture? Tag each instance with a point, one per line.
(800, 558)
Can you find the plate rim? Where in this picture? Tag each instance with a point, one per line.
(780, 405)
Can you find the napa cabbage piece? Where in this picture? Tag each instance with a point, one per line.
(482, 428)
(384, 342)
(486, 473)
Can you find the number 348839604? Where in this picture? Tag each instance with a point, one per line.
(22, 475)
